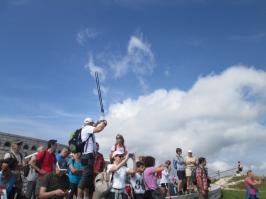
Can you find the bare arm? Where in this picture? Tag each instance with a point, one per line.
(134, 169)
(43, 194)
(160, 168)
(75, 171)
(98, 129)
(32, 163)
(255, 182)
(116, 167)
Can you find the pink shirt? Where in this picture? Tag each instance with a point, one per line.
(252, 190)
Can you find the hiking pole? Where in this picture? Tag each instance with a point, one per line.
(99, 93)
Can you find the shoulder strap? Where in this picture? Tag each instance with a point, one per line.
(87, 141)
(124, 148)
(115, 147)
(12, 155)
(20, 157)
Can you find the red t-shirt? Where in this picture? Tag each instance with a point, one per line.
(48, 163)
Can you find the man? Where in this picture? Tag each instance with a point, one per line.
(87, 158)
(240, 168)
(179, 165)
(190, 163)
(32, 178)
(63, 154)
(46, 161)
(14, 153)
(99, 166)
(202, 179)
(55, 185)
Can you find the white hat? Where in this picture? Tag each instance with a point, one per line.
(116, 153)
(189, 151)
(88, 120)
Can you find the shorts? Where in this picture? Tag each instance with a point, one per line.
(164, 185)
(181, 175)
(91, 188)
(188, 171)
(38, 186)
(87, 161)
(240, 169)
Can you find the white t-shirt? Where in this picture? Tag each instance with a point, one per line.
(89, 147)
(165, 176)
(119, 176)
(118, 148)
(137, 183)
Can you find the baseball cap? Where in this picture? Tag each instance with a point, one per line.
(88, 120)
(17, 142)
(62, 165)
(189, 151)
(117, 153)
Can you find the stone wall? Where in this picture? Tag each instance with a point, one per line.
(29, 145)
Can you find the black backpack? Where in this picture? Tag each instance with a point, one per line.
(193, 175)
(75, 143)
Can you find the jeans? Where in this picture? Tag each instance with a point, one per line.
(31, 189)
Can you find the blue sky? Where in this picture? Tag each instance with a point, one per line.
(173, 74)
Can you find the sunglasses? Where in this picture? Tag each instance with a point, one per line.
(120, 156)
(118, 138)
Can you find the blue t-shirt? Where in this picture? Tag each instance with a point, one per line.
(10, 183)
(59, 157)
(74, 178)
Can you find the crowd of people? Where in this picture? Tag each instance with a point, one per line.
(65, 175)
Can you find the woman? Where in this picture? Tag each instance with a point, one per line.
(150, 177)
(250, 182)
(75, 173)
(7, 177)
(117, 173)
(118, 146)
(165, 177)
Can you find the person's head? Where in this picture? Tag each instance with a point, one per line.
(149, 161)
(250, 174)
(52, 144)
(120, 139)
(178, 151)
(117, 156)
(189, 153)
(61, 167)
(88, 122)
(140, 167)
(202, 161)
(77, 155)
(65, 152)
(141, 158)
(16, 145)
(40, 149)
(97, 146)
(7, 165)
(238, 162)
(167, 163)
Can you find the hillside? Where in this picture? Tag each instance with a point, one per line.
(233, 187)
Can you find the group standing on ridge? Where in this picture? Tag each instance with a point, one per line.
(72, 172)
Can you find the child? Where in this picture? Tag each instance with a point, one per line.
(136, 181)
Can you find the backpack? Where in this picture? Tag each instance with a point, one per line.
(193, 175)
(75, 143)
(103, 184)
(175, 163)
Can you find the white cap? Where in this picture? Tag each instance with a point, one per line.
(189, 151)
(88, 120)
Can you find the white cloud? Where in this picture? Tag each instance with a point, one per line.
(139, 60)
(251, 38)
(84, 34)
(219, 118)
(93, 68)
(167, 72)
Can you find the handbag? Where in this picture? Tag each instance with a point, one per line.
(103, 184)
(157, 193)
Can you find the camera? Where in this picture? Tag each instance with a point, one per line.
(130, 155)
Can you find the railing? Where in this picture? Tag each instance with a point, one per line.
(218, 173)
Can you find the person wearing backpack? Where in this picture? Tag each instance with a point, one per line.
(179, 165)
(118, 146)
(202, 179)
(32, 178)
(44, 163)
(15, 153)
(87, 157)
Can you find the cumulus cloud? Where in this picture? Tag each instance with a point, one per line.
(85, 34)
(139, 60)
(219, 118)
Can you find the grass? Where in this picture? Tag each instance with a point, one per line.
(239, 189)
